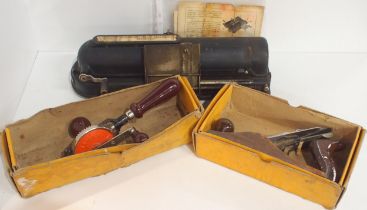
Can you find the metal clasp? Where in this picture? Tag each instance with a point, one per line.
(166, 60)
(89, 78)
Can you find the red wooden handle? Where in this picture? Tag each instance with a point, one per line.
(166, 90)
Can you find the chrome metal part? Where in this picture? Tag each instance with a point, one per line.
(89, 78)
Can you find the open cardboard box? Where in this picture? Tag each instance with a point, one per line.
(253, 111)
(32, 147)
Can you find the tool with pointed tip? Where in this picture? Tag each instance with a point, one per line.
(320, 145)
(290, 141)
(95, 136)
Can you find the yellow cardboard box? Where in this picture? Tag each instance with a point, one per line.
(254, 111)
(32, 147)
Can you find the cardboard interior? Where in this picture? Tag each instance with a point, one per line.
(256, 113)
(36, 141)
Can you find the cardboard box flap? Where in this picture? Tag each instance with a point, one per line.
(6, 154)
(192, 96)
(353, 158)
(210, 107)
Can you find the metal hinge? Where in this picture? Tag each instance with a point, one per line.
(89, 78)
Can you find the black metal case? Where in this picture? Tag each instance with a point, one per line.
(112, 62)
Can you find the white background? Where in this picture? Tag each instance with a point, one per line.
(318, 58)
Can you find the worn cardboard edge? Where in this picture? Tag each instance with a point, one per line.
(10, 149)
(120, 159)
(352, 164)
(352, 155)
(193, 95)
(354, 158)
(207, 111)
(197, 101)
(6, 160)
(187, 123)
(333, 185)
(85, 155)
(5, 151)
(153, 138)
(351, 159)
(262, 93)
(115, 149)
(339, 199)
(308, 109)
(265, 157)
(28, 183)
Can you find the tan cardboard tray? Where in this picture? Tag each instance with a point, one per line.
(254, 111)
(32, 148)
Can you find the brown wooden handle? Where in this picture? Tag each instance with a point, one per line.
(166, 90)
